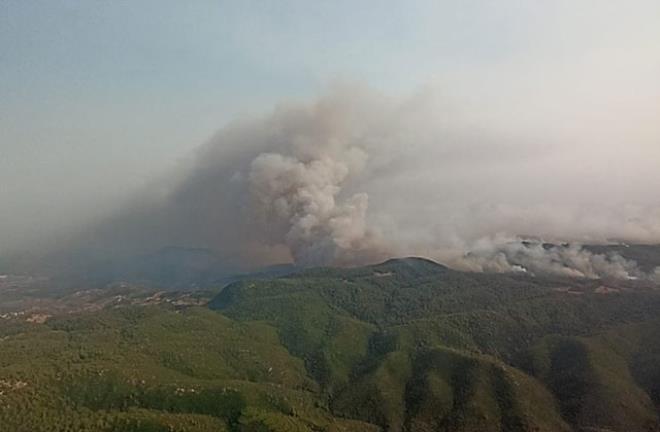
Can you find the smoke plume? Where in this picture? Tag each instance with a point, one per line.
(535, 257)
(296, 203)
(357, 176)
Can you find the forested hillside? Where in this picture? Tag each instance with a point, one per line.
(407, 345)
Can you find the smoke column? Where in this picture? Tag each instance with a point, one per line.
(357, 176)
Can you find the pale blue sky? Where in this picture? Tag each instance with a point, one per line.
(97, 97)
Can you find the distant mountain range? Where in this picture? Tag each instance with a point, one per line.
(184, 268)
(170, 268)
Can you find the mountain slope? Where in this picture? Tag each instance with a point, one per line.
(441, 350)
(407, 345)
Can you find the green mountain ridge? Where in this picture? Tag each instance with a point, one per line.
(429, 320)
(406, 345)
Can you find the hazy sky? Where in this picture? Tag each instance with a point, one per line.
(99, 97)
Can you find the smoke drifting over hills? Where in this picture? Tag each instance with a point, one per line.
(537, 123)
(566, 260)
(357, 176)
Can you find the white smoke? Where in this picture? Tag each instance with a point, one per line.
(297, 203)
(571, 260)
(656, 275)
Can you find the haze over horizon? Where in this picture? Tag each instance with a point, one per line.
(334, 133)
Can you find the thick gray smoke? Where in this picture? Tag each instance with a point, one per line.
(530, 122)
(357, 176)
(270, 190)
